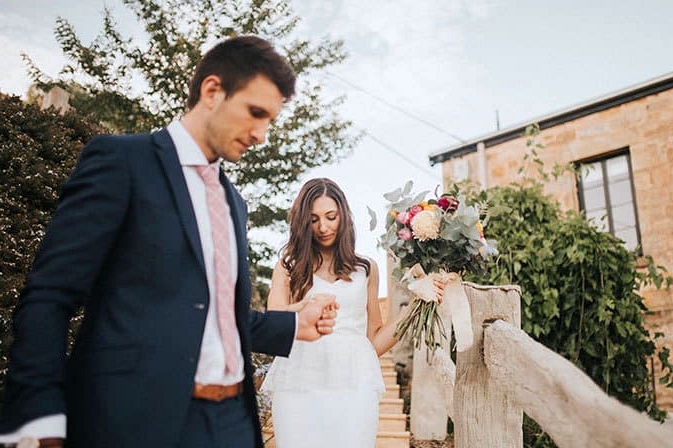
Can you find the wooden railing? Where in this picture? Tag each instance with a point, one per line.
(506, 373)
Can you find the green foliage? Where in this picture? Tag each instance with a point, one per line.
(38, 150)
(133, 84)
(580, 291)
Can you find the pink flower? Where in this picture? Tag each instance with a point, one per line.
(414, 210)
(448, 203)
(405, 234)
(403, 218)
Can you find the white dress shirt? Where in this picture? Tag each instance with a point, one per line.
(211, 366)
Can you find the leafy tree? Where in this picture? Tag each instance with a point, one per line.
(38, 149)
(580, 290)
(129, 84)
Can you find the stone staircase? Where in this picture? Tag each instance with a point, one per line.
(392, 431)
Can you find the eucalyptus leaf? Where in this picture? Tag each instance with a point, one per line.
(372, 218)
(393, 196)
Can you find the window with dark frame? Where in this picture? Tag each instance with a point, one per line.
(607, 197)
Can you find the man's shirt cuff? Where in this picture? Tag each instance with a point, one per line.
(40, 428)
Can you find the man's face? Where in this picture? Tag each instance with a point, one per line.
(241, 120)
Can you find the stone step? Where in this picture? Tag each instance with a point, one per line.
(391, 406)
(392, 422)
(389, 378)
(387, 356)
(392, 391)
(388, 367)
(393, 439)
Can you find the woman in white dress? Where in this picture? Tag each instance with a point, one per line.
(327, 393)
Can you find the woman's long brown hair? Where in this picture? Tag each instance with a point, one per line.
(301, 255)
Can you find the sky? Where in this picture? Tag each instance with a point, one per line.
(422, 75)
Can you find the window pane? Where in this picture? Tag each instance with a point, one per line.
(617, 166)
(622, 217)
(597, 219)
(629, 236)
(620, 192)
(591, 173)
(594, 198)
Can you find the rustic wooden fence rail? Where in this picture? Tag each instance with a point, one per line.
(561, 398)
(506, 373)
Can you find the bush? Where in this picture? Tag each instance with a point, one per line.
(38, 150)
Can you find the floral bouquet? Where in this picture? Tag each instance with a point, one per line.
(435, 239)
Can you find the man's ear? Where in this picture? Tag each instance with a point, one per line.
(210, 87)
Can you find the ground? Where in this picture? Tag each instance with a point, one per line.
(448, 443)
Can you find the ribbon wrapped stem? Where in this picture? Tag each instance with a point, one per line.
(422, 321)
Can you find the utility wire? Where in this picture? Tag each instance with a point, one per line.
(397, 108)
(398, 153)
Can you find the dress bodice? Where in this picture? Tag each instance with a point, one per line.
(352, 299)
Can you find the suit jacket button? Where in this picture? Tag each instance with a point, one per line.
(200, 306)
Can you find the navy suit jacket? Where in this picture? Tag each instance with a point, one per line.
(124, 244)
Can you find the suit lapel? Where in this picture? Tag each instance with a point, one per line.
(169, 158)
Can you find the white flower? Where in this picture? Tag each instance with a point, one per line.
(425, 225)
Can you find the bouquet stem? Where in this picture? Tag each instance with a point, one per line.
(422, 323)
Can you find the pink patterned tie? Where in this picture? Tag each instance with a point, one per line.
(224, 284)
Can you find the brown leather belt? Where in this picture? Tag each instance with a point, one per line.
(216, 392)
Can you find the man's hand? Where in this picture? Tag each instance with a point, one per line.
(316, 318)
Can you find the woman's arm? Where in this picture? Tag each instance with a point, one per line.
(380, 335)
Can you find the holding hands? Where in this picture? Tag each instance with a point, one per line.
(316, 316)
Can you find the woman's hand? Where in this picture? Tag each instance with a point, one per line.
(439, 290)
(326, 322)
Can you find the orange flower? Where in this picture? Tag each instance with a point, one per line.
(480, 228)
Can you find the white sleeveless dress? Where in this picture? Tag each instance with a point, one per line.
(326, 393)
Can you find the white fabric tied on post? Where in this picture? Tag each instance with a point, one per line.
(455, 299)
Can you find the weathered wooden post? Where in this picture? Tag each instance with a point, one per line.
(429, 413)
(483, 415)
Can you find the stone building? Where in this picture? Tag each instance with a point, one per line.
(624, 143)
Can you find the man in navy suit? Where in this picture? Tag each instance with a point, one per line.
(131, 243)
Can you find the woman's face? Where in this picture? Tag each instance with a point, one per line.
(325, 221)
